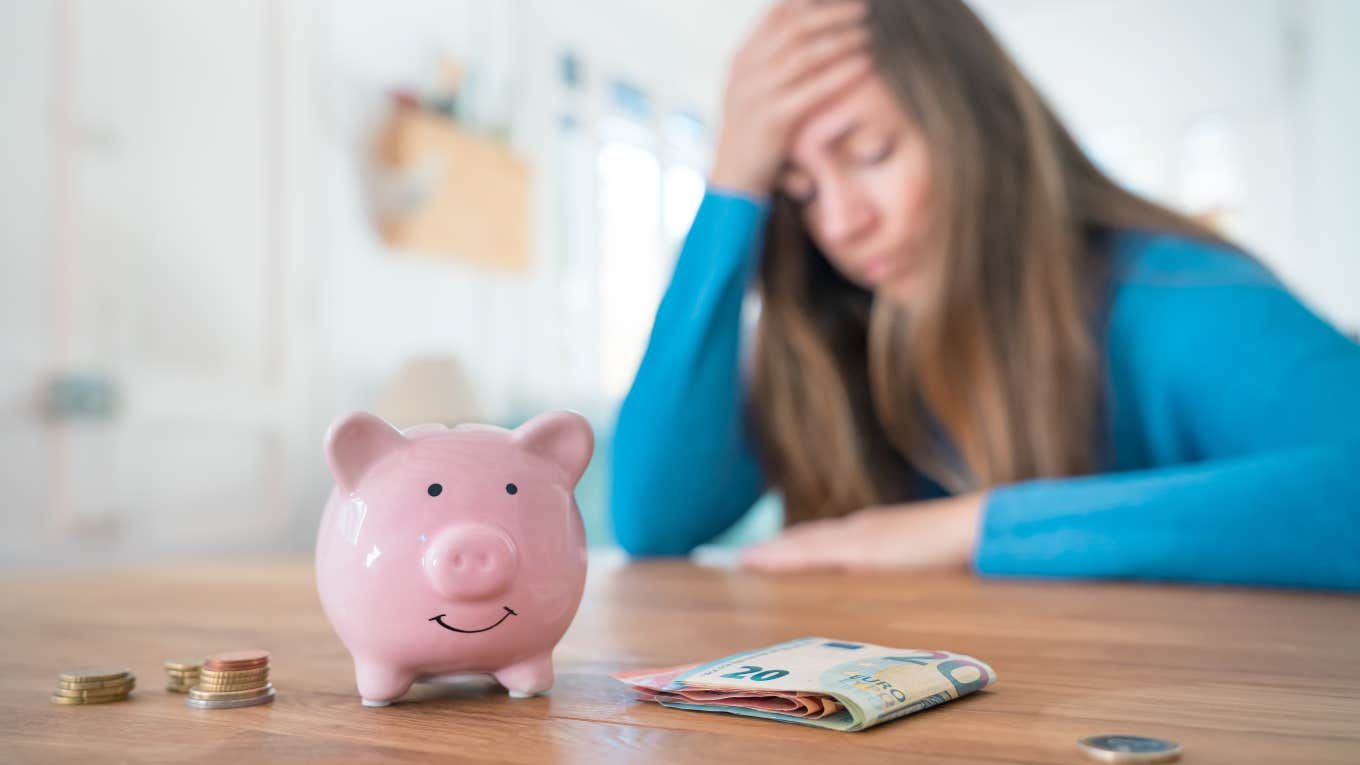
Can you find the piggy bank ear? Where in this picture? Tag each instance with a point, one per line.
(564, 437)
(355, 442)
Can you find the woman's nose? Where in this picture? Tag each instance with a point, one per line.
(846, 213)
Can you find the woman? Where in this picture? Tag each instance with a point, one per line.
(973, 348)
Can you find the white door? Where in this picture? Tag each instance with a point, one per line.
(147, 284)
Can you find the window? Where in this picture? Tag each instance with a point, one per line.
(649, 181)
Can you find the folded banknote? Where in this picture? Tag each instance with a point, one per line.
(838, 684)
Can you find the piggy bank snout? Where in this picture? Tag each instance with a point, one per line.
(471, 562)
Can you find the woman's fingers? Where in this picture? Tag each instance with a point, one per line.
(792, 105)
(817, 55)
(799, 24)
(805, 546)
(801, 52)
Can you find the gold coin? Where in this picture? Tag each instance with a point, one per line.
(178, 688)
(86, 685)
(240, 677)
(86, 674)
(231, 686)
(75, 700)
(243, 671)
(191, 664)
(247, 682)
(97, 693)
(234, 674)
(202, 695)
(232, 689)
(183, 677)
(124, 685)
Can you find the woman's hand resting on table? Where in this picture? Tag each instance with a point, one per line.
(936, 535)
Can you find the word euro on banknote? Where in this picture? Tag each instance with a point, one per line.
(837, 684)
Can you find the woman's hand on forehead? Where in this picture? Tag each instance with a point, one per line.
(800, 55)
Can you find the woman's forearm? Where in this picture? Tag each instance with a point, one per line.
(682, 466)
(1290, 517)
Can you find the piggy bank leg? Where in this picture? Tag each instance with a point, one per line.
(381, 684)
(528, 678)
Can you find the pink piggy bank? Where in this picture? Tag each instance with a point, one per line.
(445, 551)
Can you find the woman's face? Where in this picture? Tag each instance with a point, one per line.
(860, 172)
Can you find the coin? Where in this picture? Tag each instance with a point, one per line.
(95, 684)
(229, 703)
(189, 664)
(228, 687)
(88, 674)
(233, 675)
(98, 700)
(178, 688)
(1116, 748)
(233, 660)
(96, 694)
(200, 694)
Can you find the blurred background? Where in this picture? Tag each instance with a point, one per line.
(224, 223)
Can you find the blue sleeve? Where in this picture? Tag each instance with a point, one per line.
(1265, 395)
(683, 469)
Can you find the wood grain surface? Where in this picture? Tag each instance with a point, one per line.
(1234, 675)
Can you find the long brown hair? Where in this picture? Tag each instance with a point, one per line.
(994, 374)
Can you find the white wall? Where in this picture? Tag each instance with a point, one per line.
(1329, 143)
(1138, 73)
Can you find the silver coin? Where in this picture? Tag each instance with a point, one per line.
(1115, 748)
(229, 703)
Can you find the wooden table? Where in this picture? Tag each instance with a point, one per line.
(1232, 674)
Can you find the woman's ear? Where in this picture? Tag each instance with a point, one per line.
(355, 442)
(564, 437)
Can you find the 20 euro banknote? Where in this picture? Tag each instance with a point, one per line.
(838, 684)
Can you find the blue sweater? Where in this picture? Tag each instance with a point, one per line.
(1233, 451)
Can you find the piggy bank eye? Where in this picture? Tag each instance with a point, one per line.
(435, 489)
(510, 488)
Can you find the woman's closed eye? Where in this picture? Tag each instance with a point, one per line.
(799, 187)
(876, 153)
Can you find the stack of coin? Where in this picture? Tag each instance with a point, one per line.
(182, 674)
(232, 679)
(93, 685)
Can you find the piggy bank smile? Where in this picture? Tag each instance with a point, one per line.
(509, 612)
